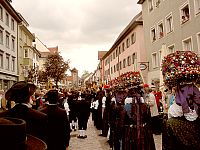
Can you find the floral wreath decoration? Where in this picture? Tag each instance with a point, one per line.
(180, 67)
(128, 79)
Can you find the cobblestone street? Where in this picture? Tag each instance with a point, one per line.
(95, 142)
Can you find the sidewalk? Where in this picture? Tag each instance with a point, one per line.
(95, 142)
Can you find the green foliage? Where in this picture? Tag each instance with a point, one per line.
(32, 74)
(42, 77)
(55, 67)
(85, 74)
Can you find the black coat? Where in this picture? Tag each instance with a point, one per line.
(58, 128)
(83, 109)
(36, 122)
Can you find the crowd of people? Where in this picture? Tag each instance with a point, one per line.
(127, 115)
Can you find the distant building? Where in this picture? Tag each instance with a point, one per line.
(9, 20)
(53, 49)
(73, 81)
(127, 52)
(74, 73)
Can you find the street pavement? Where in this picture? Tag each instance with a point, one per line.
(95, 142)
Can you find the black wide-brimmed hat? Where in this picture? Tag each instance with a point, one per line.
(20, 91)
(14, 137)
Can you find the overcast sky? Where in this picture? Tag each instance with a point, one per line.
(80, 28)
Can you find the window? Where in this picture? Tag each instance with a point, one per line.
(116, 52)
(117, 66)
(114, 69)
(7, 19)
(1, 13)
(157, 3)
(150, 4)
(12, 24)
(133, 38)
(123, 47)
(120, 65)
(13, 44)
(20, 34)
(160, 30)
(128, 60)
(13, 64)
(187, 44)
(159, 57)
(1, 60)
(153, 34)
(1, 36)
(124, 63)
(119, 49)
(197, 6)
(154, 60)
(127, 42)
(169, 23)
(113, 55)
(110, 57)
(185, 13)
(134, 58)
(111, 70)
(7, 41)
(198, 42)
(171, 49)
(7, 62)
(26, 53)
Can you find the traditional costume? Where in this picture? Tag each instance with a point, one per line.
(182, 130)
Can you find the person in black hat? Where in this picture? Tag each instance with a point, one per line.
(14, 137)
(58, 124)
(36, 121)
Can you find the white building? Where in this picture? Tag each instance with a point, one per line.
(9, 20)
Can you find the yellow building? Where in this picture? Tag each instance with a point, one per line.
(28, 55)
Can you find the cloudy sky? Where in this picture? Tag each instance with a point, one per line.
(80, 28)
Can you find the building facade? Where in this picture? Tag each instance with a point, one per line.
(127, 53)
(169, 25)
(28, 55)
(44, 51)
(9, 20)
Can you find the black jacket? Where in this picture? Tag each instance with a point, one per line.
(36, 122)
(58, 128)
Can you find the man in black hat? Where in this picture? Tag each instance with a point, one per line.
(36, 122)
(58, 124)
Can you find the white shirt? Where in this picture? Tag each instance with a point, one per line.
(66, 106)
(96, 104)
(177, 111)
(104, 102)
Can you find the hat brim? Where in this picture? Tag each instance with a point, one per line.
(34, 143)
(9, 96)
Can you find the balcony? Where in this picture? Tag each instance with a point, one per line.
(27, 62)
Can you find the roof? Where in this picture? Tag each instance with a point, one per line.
(140, 1)
(44, 54)
(53, 49)
(74, 70)
(69, 78)
(137, 20)
(24, 20)
(101, 54)
(6, 4)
